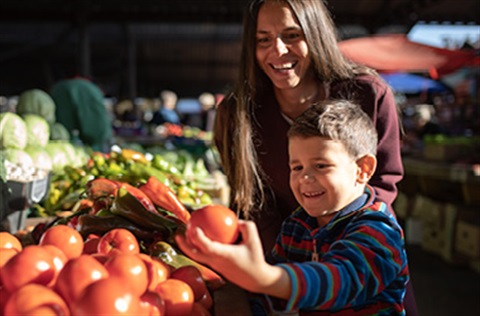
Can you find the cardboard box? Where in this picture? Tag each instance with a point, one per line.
(467, 240)
(471, 193)
(439, 224)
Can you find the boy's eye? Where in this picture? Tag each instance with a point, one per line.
(320, 165)
(295, 168)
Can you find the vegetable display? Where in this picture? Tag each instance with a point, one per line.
(112, 219)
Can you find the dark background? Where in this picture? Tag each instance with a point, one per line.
(138, 48)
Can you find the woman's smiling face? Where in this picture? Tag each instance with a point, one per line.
(281, 50)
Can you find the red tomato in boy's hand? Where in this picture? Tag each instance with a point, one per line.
(218, 222)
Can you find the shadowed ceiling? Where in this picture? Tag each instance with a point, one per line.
(137, 48)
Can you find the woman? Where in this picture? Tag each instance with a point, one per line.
(289, 60)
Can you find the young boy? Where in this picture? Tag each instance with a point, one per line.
(341, 252)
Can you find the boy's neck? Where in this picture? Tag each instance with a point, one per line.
(354, 205)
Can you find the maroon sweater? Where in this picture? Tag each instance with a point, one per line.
(271, 129)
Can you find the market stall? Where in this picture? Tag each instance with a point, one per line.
(126, 198)
(439, 201)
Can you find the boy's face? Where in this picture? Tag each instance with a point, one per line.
(323, 176)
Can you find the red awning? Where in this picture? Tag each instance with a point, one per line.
(395, 52)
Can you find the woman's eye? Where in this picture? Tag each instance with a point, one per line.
(291, 37)
(263, 41)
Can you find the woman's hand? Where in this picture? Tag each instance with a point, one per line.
(243, 263)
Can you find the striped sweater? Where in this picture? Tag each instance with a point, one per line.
(355, 265)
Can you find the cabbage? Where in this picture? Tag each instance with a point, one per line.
(58, 154)
(71, 153)
(81, 156)
(41, 159)
(59, 132)
(36, 101)
(13, 131)
(18, 157)
(38, 130)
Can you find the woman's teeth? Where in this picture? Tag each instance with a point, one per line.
(284, 66)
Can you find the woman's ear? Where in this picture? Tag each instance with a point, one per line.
(366, 167)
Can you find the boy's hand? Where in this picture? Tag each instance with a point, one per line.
(243, 263)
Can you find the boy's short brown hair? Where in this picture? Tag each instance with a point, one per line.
(339, 120)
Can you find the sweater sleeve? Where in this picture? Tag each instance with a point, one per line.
(389, 168)
(377, 100)
(356, 268)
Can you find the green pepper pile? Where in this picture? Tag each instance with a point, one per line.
(177, 170)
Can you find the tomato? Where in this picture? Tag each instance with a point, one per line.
(218, 222)
(152, 304)
(33, 265)
(178, 297)
(6, 254)
(131, 269)
(206, 300)
(91, 245)
(8, 240)
(76, 275)
(4, 295)
(107, 296)
(100, 257)
(200, 310)
(35, 299)
(156, 270)
(192, 276)
(66, 238)
(59, 260)
(118, 240)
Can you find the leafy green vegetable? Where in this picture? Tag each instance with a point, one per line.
(38, 130)
(36, 101)
(58, 154)
(13, 131)
(18, 157)
(58, 132)
(41, 159)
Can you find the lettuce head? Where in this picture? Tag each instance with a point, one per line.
(13, 131)
(38, 130)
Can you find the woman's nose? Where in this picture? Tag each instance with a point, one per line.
(280, 45)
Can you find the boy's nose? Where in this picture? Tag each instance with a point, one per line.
(306, 177)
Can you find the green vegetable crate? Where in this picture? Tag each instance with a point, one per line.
(17, 197)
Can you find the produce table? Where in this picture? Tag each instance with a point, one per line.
(230, 300)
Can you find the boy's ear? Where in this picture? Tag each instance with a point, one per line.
(366, 167)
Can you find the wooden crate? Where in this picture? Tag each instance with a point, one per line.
(467, 239)
(471, 193)
(439, 224)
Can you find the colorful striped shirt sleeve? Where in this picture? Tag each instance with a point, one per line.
(364, 266)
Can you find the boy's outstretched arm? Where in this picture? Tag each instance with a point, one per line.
(243, 263)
